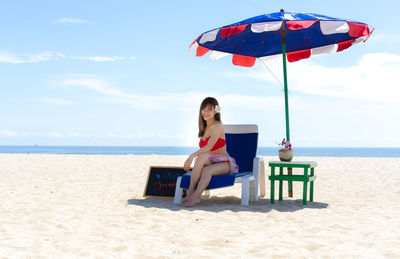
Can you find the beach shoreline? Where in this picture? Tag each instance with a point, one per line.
(93, 206)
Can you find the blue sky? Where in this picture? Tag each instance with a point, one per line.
(120, 73)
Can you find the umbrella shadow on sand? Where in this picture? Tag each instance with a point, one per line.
(217, 204)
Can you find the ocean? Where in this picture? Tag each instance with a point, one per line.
(169, 150)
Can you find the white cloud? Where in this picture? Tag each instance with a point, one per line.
(15, 58)
(253, 103)
(55, 134)
(111, 135)
(140, 134)
(7, 133)
(181, 101)
(74, 134)
(94, 83)
(135, 135)
(56, 101)
(71, 20)
(387, 38)
(99, 59)
(28, 58)
(373, 78)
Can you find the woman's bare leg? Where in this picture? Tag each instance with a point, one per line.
(207, 172)
(201, 161)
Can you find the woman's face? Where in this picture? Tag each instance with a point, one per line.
(208, 113)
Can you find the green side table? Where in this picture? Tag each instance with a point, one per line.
(305, 178)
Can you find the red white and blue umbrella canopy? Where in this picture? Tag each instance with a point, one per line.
(261, 37)
(294, 35)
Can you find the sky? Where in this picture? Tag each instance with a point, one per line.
(119, 73)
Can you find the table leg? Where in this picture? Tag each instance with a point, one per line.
(290, 186)
(305, 186)
(280, 183)
(272, 184)
(312, 186)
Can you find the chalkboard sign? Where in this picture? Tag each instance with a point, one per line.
(161, 181)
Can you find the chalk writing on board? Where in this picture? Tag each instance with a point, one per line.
(161, 181)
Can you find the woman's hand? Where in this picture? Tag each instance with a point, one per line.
(187, 164)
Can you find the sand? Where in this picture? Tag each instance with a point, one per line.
(64, 206)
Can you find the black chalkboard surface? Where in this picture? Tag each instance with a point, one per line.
(161, 181)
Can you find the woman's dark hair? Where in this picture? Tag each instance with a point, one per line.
(212, 102)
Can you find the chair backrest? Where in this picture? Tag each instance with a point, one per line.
(241, 144)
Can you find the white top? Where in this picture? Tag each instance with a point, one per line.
(240, 128)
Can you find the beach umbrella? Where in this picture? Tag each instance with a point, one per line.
(295, 36)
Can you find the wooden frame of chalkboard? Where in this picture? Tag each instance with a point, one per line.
(161, 181)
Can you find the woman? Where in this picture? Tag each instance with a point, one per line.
(212, 157)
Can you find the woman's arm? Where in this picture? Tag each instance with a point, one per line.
(215, 132)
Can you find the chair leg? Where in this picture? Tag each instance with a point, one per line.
(245, 191)
(262, 179)
(253, 190)
(207, 193)
(178, 191)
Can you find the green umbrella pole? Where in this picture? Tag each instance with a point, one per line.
(285, 87)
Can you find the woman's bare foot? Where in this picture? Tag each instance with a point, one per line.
(192, 201)
(187, 197)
